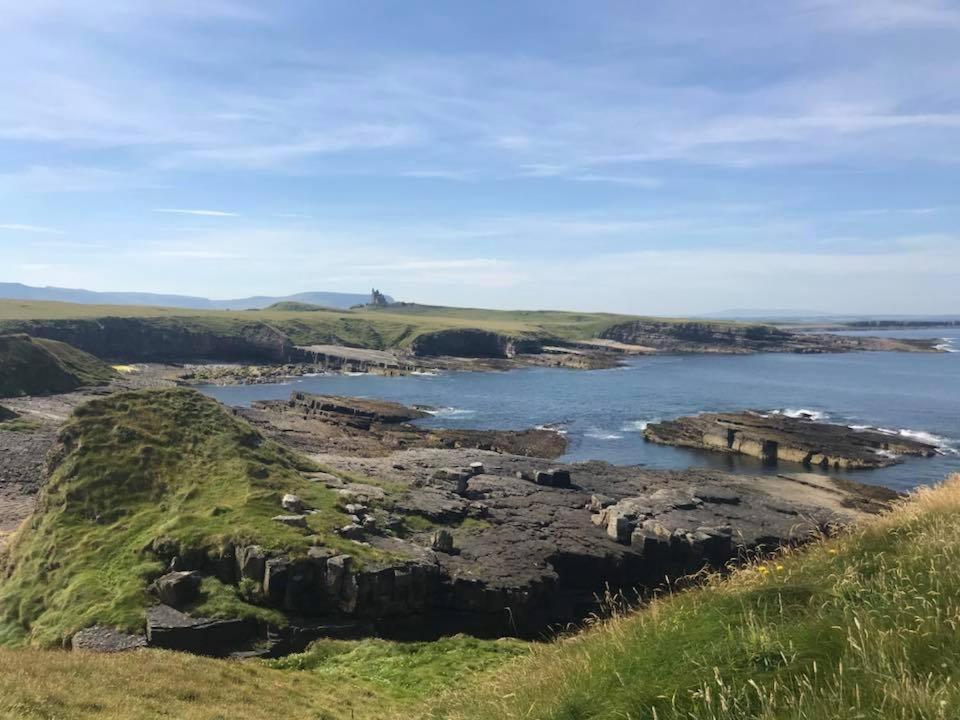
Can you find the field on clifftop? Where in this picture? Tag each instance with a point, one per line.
(378, 328)
(866, 625)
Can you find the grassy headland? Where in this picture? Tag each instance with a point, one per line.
(859, 626)
(143, 475)
(35, 366)
(136, 333)
(378, 328)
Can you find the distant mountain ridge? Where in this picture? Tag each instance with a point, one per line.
(18, 291)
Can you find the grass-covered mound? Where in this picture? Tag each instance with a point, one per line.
(144, 470)
(863, 626)
(34, 366)
(295, 306)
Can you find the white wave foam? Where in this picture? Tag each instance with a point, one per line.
(424, 373)
(450, 412)
(947, 345)
(924, 437)
(598, 434)
(552, 427)
(801, 414)
(637, 425)
(942, 444)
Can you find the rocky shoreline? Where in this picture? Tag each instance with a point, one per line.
(497, 549)
(481, 532)
(773, 437)
(484, 541)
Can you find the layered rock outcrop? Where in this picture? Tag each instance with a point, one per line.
(503, 555)
(776, 437)
(376, 427)
(693, 336)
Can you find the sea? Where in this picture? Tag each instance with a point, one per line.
(603, 412)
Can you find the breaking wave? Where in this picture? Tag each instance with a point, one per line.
(450, 412)
(552, 427)
(801, 414)
(942, 444)
(637, 425)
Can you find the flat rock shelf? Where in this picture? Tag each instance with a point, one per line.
(775, 437)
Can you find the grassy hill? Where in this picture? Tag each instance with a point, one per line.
(138, 469)
(396, 325)
(292, 306)
(860, 626)
(34, 366)
(144, 333)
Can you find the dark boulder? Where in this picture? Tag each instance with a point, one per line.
(173, 630)
(178, 588)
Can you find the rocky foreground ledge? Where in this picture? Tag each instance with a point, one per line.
(774, 437)
(241, 547)
(472, 538)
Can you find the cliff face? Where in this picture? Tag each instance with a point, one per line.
(164, 339)
(470, 342)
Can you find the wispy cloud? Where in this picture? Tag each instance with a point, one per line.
(204, 213)
(38, 229)
(875, 15)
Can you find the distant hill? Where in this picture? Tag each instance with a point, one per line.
(36, 366)
(17, 291)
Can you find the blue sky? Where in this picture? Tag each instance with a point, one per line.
(658, 157)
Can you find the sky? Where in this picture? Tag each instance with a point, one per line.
(652, 157)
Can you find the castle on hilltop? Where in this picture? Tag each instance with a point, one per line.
(378, 299)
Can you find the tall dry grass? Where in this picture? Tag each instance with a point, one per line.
(864, 625)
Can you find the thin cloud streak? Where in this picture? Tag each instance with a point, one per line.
(38, 229)
(204, 213)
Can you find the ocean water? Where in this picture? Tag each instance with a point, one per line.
(603, 412)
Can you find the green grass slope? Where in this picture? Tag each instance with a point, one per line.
(334, 680)
(294, 306)
(34, 366)
(864, 626)
(141, 468)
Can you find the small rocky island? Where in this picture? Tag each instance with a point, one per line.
(773, 437)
